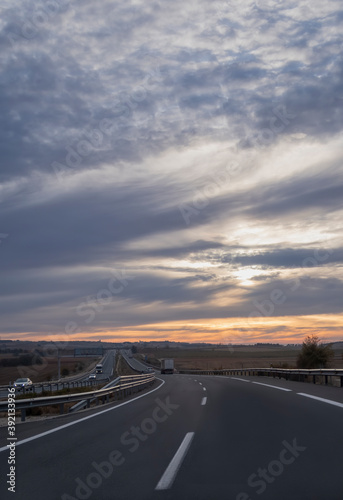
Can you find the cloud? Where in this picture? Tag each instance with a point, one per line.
(117, 119)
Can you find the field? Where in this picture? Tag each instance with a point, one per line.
(46, 371)
(232, 357)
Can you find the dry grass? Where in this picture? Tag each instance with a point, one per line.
(123, 368)
(47, 371)
(232, 357)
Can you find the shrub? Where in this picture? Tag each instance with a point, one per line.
(313, 354)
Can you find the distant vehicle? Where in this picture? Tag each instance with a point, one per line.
(23, 382)
(92, 375)
(167, 366)
(98, 368)
(151, 370)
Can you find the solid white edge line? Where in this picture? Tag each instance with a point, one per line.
(51, 431)
(329, 401)
(273, 387)
(241, 379)
(204, 401)
(170, 473)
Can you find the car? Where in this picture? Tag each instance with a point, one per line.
(23, 382)
(92, 375)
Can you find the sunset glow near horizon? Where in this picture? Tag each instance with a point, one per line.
(172, 171)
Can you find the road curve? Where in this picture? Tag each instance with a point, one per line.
(194, 438)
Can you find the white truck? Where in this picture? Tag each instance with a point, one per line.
(167, 366)
(98, 368)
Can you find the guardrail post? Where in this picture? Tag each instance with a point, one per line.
(88, 403)
(314, 378)
(23, 415)
(61, 408)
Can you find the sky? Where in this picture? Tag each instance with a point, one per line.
(171, 170)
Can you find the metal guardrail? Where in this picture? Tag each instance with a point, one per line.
(83, 403)
(68, 381)
(56, 385)
(288, 374)
(126, 386)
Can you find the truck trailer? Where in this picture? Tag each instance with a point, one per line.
(167, 366)
(98, 368)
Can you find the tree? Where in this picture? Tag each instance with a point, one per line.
(313, 354)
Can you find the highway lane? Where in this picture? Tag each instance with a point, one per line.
(134, 363)
(258, 425)
(69, 453)
(250, 441)
(108, 362)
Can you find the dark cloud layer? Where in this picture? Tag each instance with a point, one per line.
(113, 116)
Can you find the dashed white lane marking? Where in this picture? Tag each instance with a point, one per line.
(241, 379)
(273, 387)
(204, 401)
(170, 473)
(200, 383)
(329, 401)
(204, 388)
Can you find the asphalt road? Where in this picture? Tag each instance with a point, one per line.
(134, 363)
(194, 438)
(108, 367)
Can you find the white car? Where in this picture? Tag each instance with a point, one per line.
(92, 375)
(22, 382)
